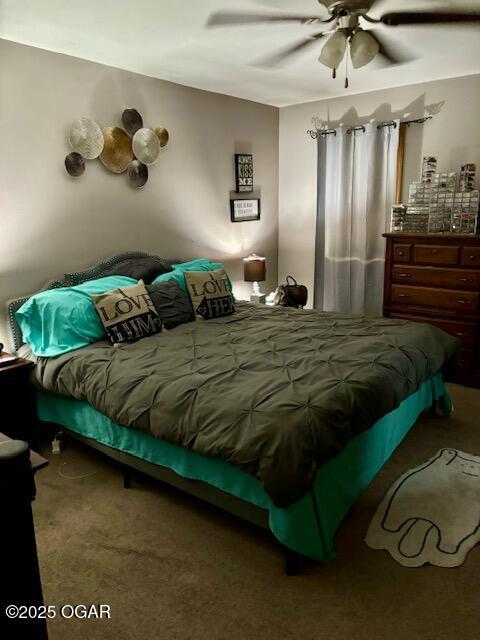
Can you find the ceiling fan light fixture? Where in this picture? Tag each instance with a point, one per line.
(334, 50)
(363, 48)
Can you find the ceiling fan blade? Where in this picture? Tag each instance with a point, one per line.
(280, 57)
(284, 4)
(230, 19)
(390, 51)
(428, 17)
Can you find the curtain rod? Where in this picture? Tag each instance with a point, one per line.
(360, 127)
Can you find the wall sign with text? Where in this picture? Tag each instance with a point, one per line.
(243, 172)
(245, 210)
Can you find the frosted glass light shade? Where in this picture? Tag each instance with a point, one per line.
(363, 48)
(334, 50)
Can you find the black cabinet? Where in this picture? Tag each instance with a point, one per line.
(18, 414)
(20, 585)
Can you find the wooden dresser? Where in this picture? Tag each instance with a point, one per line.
(435, 278)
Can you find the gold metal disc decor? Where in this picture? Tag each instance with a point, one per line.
(146, 146)
(75, 164)
(132, 121)
(117, 151)
(137, 174)
(162, 135)
(129, 149)
(86, 138)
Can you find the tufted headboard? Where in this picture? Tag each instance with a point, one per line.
(69, 280)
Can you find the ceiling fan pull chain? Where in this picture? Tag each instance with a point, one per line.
(346, 70)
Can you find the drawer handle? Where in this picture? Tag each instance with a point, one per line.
(435, 251)
(401, 253)
(472, 257)
(460, 334)
(466, 279)
(463, 301)
(403, 295)
(404, 275)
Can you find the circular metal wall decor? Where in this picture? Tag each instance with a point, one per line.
(86, 138)
(137, 174)
(146, 146)
(75, 164)
(129, 149)
(162, 135)
(132, 121)
(117, 151)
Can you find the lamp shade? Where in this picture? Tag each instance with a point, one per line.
(363, 48)
(334, 50)
(254, 268)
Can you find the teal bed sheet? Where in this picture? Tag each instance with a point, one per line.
(309, 525)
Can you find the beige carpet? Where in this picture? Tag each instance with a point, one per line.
(173, 568)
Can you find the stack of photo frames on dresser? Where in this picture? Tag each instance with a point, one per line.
(439, 202)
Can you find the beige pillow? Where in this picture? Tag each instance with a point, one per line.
(209, 293)
(127, 313)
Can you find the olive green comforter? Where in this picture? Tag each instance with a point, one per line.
(273, 391)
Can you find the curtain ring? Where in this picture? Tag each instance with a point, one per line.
(387, 124)
(358, 128)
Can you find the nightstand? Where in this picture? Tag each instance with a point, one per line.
(18, 412)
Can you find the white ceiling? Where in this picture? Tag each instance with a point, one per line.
(167, 39)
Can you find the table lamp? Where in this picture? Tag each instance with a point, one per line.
(254, 270)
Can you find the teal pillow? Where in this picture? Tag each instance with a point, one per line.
(200, 264)
(192, 263)
(61, 320)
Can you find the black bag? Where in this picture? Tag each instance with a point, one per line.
(291, 295)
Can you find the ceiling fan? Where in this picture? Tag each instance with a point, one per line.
(344, 28)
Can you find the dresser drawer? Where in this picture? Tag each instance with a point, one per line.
(440, 298)
(435, 277)
(435, 254)
(464, 331)
(401, 252)
(470, 257)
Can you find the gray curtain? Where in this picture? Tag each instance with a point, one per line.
(320, 228)
(356, 189)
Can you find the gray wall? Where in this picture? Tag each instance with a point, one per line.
(453, 136)
(52, 223)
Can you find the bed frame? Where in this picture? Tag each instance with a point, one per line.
(236, 506)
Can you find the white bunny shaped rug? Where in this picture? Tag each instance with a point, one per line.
(432, 513)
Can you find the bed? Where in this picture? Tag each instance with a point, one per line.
(312, 405)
